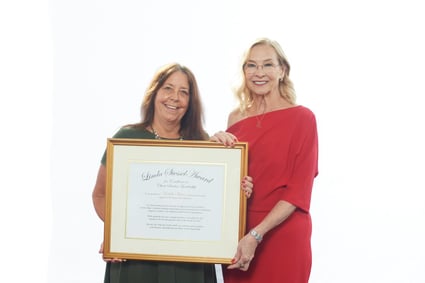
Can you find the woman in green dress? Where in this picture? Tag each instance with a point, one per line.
(171, 109)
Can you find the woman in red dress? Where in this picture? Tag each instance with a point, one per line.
(283, 158)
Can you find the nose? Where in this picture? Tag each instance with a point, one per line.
(174, 95)
(259, 70)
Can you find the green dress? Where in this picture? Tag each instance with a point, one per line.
(146, 271)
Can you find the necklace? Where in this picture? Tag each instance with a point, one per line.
(158, 137)
(259, 120)
(261, 116)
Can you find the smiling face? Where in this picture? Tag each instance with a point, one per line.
(262, 70)
(172, 99)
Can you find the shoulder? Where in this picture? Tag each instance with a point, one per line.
(234, 117)
(123, 132)
(304, 112)
(132, 132)
(305, 118)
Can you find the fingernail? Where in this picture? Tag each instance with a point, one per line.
(233, 260)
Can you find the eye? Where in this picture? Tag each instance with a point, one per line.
(167, 89)
(268, 65)
(184, 92)
(251, 66)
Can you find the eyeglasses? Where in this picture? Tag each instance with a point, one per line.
(251, 68)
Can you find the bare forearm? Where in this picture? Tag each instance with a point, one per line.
(280, 212)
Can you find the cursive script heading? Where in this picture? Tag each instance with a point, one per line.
(172, 172)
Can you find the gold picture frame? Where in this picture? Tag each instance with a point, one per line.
(174, 200)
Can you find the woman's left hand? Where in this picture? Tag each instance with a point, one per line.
(244, 254)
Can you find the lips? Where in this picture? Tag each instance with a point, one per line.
(171, 107)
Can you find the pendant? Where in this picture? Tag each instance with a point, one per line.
(259, 120)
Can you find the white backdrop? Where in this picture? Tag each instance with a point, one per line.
(73, 72)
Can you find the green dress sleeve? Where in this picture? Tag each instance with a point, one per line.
(129, 133)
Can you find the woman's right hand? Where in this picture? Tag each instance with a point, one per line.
(110, 259)
(225, 138)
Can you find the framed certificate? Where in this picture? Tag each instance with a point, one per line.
(174, 200)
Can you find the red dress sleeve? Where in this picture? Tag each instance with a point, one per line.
(305, 165)
(282, 156)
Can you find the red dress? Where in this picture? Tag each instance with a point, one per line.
(282, 157)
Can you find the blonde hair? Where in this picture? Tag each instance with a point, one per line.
(286, 87)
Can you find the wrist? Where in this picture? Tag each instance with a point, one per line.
(257, 236)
